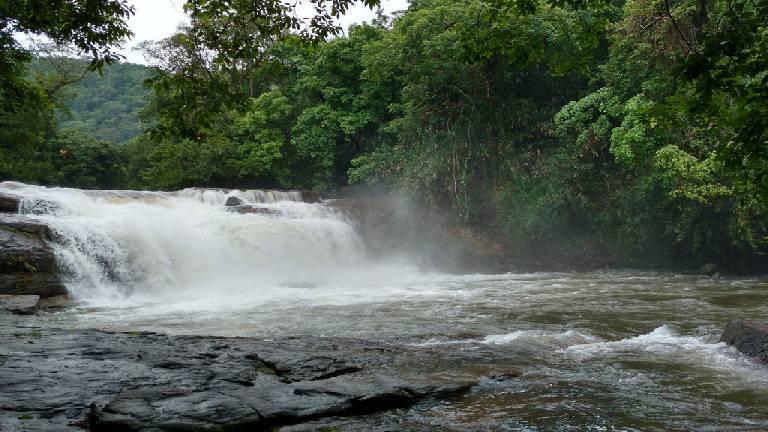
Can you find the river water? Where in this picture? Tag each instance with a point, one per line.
(611, 350)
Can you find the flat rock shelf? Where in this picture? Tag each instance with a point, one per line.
(101, 381)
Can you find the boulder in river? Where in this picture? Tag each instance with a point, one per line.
(233, 201)
(748, 336)
(9, 203)
(27, 263)
(709, 269)
(20, 304)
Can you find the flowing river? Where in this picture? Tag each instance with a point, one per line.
(610, 350)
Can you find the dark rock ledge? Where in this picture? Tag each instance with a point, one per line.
(27, 262)
(86, 379)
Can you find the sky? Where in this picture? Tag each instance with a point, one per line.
(157, 19)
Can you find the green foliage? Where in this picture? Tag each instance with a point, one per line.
(93, 27)
(727, 77)
(21, 152)
(27, 133)
(84, 162)
(634, 134)
(266, 18)
(106, 106)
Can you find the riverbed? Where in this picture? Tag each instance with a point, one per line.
(611, 350)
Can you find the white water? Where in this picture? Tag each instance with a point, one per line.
(122, 248)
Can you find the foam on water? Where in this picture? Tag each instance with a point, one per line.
(562, 339)
(661, 340)
(664, 344)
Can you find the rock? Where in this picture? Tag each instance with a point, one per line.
(9, 203)
(145, 381)
(27, 263)
(748, 336)
(311, 196)
(43, 207)
(42, 284)
(20, 304)
(56, 302)
(234, 201)
(25, 225)
(708, 269)
(252, 209)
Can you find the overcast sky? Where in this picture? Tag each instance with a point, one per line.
(157, 19)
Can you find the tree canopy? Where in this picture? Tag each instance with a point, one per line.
(623, 133)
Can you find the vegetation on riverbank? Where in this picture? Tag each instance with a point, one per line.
(633, 131)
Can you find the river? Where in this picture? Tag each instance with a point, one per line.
(609, 350)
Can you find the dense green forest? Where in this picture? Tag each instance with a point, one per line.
(632, 131)
(106, 106)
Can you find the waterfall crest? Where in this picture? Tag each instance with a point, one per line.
(123, 244)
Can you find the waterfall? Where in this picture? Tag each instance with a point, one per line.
(114, 245)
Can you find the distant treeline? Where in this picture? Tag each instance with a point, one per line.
(633, 133)
(106, 106)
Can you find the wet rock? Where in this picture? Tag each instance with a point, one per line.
(27, 263)
(504, 375)
(151, 382)
(9, 203)
(252, 209)
(42, 284)
(42, 207)
(56, 302)
(234, 201)
(748, 336)
(709, 269)
(25, 225)
(20, 304)
(311, 196)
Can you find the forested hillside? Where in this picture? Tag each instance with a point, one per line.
(633, 133)
(107, 105)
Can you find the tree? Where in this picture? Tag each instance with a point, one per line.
(727, 76)
(93, 27)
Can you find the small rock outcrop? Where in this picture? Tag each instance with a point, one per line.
(748, 336)
(234, 201)
(27, 263)
(311, 196)
(252, 209)
(9, 203)
(20, 304)
(709, 269)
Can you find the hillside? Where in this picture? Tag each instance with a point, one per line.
(106, 106)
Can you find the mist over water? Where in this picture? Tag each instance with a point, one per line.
(611, 350)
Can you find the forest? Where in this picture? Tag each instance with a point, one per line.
(636, 131)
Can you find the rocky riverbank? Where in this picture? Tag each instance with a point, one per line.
(27, 262)
(74, 380)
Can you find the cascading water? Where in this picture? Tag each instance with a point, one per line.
(117, 246)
